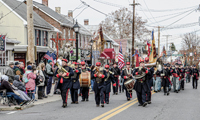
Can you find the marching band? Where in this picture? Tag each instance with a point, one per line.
(142, 79)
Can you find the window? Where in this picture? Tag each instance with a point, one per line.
(45, 38)
(38, 37)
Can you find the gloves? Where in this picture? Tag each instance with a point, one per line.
(114, 84)
(76, 71)
(95, 75)
(125, 77)
(67, 74)
(136, 73)
(146, 71)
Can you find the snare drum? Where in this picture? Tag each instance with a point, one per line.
(129, 84)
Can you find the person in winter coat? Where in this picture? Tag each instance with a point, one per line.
(30, 82)
(18, 83)
(10, 72)
(46, 78)
(50, 74)
(21, 93)
(40, 81)
(9, 91)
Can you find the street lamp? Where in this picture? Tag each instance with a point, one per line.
(76, 30)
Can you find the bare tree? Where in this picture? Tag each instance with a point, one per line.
(190, 41)
(118, 24)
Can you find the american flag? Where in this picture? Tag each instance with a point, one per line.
(48, 56)
(120, 58)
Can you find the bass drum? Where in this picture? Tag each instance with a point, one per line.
(84, 79)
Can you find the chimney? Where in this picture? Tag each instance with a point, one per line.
(70, 13)
(57, 9)
(86, 21)
(45, 2)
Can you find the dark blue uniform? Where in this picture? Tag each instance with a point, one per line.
(182, 73)
(108, 80)
(67, 83)
(165, 80)
(75, 86)
(141, 86)
(195, 78)
(149, 82)
(85, 90)
(116, 72)
(99, 86)
(188, 73)
(127, 72)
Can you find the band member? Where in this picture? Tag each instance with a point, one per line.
(165, 80)
(176, 73)
(127, 75)
(195, 77)
(75, 84)
(149, 80)
(182, 76)
(65, 81)
(108, 80)
(99, 74)
(188, 73)
(141, 86)
(169, 75)
(84, 90)
(116, 72)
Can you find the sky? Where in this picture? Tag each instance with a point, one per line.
(164, 13)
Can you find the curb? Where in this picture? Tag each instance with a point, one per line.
(14, 108)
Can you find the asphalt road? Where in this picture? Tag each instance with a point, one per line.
(177, 106)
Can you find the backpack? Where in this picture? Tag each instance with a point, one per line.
(25, 78)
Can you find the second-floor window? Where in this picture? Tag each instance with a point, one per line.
(38, 37)
(41, 38)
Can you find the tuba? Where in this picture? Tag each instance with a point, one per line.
(98, 72)
(141, 73)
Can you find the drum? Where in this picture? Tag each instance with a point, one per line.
(129, 84)
(84, 79)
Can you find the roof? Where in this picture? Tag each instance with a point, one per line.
(8, 40)
(53, 14)
(83, 30)
(21, 10)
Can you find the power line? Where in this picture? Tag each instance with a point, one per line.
(12, 10)
(81, 12)
(79, 7)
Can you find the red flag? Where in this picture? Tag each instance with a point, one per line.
(149, 48)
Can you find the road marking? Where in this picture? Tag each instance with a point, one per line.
(11, 112)
(120, 110)
(103, 115)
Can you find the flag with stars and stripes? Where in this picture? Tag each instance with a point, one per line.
(120, 58)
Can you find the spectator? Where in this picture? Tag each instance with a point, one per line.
(92, 80)
(46, 77)
(50, 74)
(27, 64)
(16, 69)
(21, 67)
(10, 72)
(30, 77)
(9, 91)
(40, 81)
(17, 83)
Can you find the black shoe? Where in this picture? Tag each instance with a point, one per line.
(76, 102)
(102, 105)
(64, 105)
(116, 93)
(107, 102)
(149, 102)
(179, 90)
(182, 88)
(45, 96)
(155, 91)
(128, 99)
(82, 100)
(139, 104)
(97, 105)
(144, 104)
(54, 93)
(176, 91)
(72, 102)
(87, 100)
(168, 94)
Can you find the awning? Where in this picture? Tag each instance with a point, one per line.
(110, 52)
(104, 56)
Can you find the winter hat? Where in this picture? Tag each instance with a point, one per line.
(29, 67)
(16, 77)
(49, 61)
(16, 63)
(4, 77)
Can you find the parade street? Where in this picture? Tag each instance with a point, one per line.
(182, 106)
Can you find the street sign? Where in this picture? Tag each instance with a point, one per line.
(2, 43)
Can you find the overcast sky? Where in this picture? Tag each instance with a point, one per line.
(179, 9)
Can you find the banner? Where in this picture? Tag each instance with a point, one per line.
(153, 58)
(2, 43)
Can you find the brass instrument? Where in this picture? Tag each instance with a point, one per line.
(61, 69)
(141, 73)
(98, 72)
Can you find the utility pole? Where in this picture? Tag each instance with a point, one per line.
(31, 41)
(167, 36)
(133, 30)
(158, 41)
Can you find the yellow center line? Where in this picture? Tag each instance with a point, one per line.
(98, 117)
(120, 110)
